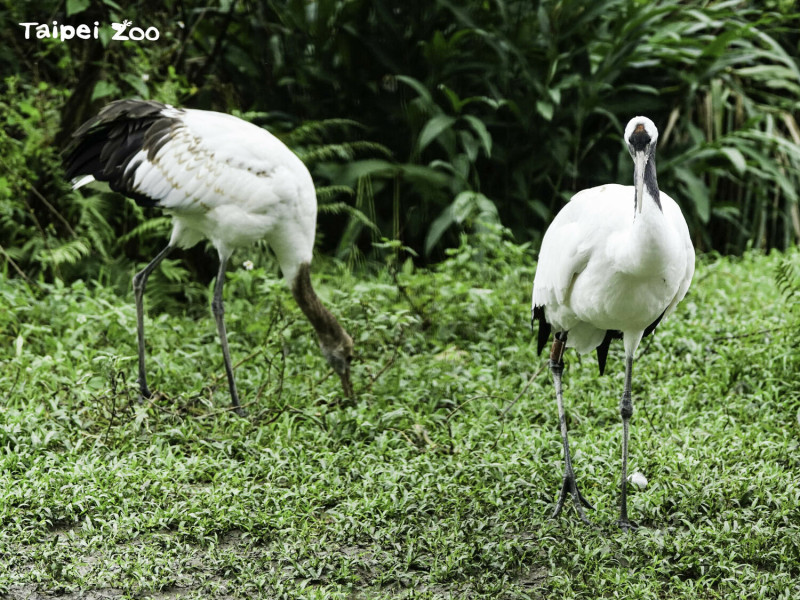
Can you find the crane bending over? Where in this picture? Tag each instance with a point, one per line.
(604, 273)
(220, 178)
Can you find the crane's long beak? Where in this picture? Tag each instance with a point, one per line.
(639, 162)
(347, 386)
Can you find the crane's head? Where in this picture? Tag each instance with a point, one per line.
(641, 136)
(338, 351)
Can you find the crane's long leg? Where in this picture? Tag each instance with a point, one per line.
(139, 283)
(569, 485)
(626, 411)
(219, 314)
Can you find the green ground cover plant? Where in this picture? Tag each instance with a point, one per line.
(436, 482)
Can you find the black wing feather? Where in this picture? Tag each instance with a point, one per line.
(105, 145)
(602, 350)
(544, 327)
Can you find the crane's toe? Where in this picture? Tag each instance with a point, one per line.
(627, 525)
(144, 392)
(569, 487)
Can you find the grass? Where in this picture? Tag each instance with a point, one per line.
(437, 482)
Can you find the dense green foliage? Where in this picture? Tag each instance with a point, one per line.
(418, 118)
(436, 482)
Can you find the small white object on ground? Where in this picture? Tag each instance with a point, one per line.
(638, 480)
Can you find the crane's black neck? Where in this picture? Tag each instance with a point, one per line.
(328, 329)
(650, 182)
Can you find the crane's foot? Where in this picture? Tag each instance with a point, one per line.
(627, 525)
(144, 392)
(236, 406)
(570, 488)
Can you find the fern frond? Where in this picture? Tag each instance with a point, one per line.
(174, 271)
(327, 192)
(787, 276)
(94, 224)
(68, 253)
(156, 226)
(342, 208)
(312, 132)
(344, 151)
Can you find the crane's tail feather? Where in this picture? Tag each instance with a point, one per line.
(602, 349)
(537, 314)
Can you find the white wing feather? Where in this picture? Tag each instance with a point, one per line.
(222, 175)
(82, 181)
(673, 214)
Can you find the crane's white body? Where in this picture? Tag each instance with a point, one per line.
(230, 181)
(604, 266)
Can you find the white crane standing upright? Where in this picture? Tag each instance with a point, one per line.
(222, 179)
(606, 271)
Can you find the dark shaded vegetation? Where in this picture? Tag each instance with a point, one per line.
(418, 119)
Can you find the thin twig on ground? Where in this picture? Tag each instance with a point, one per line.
(512, 403)
(382, 370)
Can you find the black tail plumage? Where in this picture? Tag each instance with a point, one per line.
(602, 349)
(105, 145)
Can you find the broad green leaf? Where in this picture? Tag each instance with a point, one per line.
(467, 205)
(433, 129)
(455, 101)
(418, 87)
(545, 109)
(424, 174)
(483, 133)
(487, 209)
(736, 157)
(470, 144)
(76, 6)
(435, 232)
(103, 89)
(137, 83)
(354, 170)
(697, 191)
(464, 205)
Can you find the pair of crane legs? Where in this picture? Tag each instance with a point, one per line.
(217, 307)
(569, 486)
